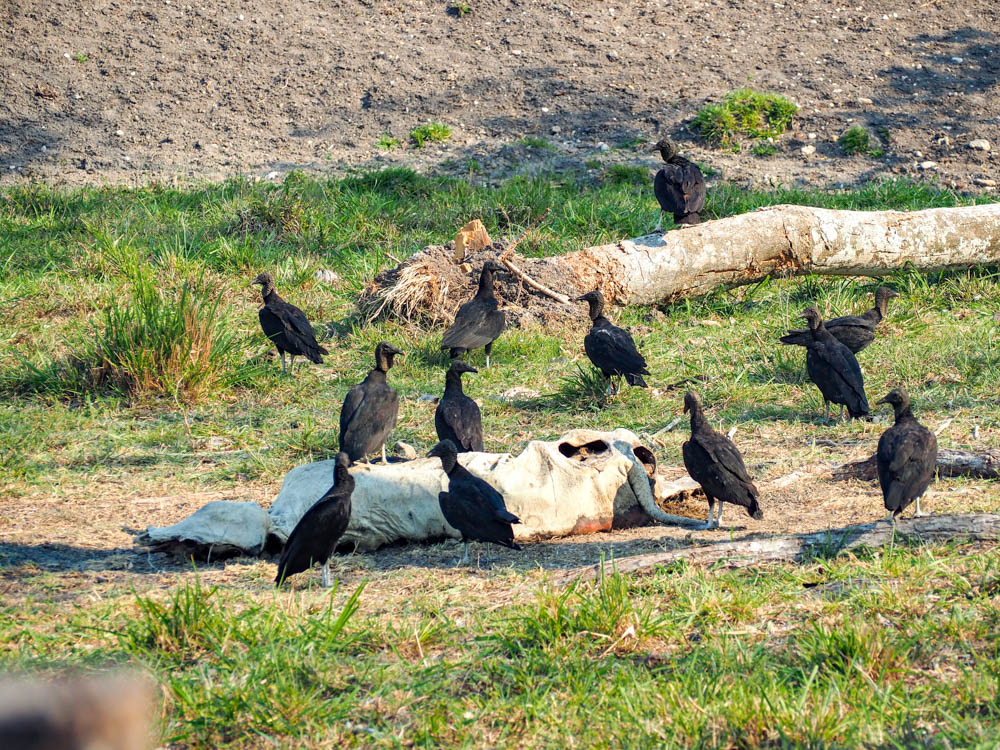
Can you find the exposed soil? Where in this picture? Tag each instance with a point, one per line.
(122, 92)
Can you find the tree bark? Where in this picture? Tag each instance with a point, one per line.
(950, 463)
(783, 240)
(938, 528)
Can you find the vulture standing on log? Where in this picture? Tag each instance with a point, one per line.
(906, 455)
(611, 348)
(853, 331)
(286, 326)
(679, 186)
(834, 369)
(714, 462)
(479, 322)
(471, 505)
(316, 534)
(457, 417)
(370, 409)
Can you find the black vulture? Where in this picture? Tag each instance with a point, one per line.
(679, 186)
(370, 409)
(714, 462)
(853, 331)
(906, 455)
(471, 505)
(316, 534)
(479, 322)
(286, 326)
(834, 369)
(611, 348)
(457, 416)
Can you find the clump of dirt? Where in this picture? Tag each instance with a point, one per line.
(430, 286)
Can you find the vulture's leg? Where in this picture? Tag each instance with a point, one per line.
(282, 360)
(384, 459)
(465, 557)
(659, 224)
(826, 405)
(488, 348)
(291, 364)
(916, 512)
(718, 518)
(711, 511)
(326, 575)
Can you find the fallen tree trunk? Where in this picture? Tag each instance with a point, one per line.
(786, 241)
(780, 240)
(950, 463)
(743, 553)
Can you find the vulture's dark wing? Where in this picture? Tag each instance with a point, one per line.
(680, 188)
(838, 361)
(477, 323)
(462, 417)
(612, 349)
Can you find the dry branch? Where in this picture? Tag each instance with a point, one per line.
(950, 463)
(534, 284)
(938, 528)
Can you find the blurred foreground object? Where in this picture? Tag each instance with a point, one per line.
(106, 712)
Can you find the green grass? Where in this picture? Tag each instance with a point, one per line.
(899, 647)
(432, 132)
(461, 9)
(744, 114)
(534, 141)
(81, 57)
(890, 648)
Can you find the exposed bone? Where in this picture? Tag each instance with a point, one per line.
(937, 528)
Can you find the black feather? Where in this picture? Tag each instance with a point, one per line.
(610, 348)
(479, 322)
(471, 505)
(714, 462)
(457, 417)
(853, 331)
(286, 325)
(679, 186)
(907, 453)
(834, 368)
(316, 534)
(370, 409)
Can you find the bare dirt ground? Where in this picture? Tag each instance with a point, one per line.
(101, 91)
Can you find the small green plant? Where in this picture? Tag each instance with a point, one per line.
(745, 113)
(460, 9)
(534, 141)
(631, 141)
(854, 140)
(592, 164)
(764, 148)
(432, 132)
(388, 143)
(81, 57)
